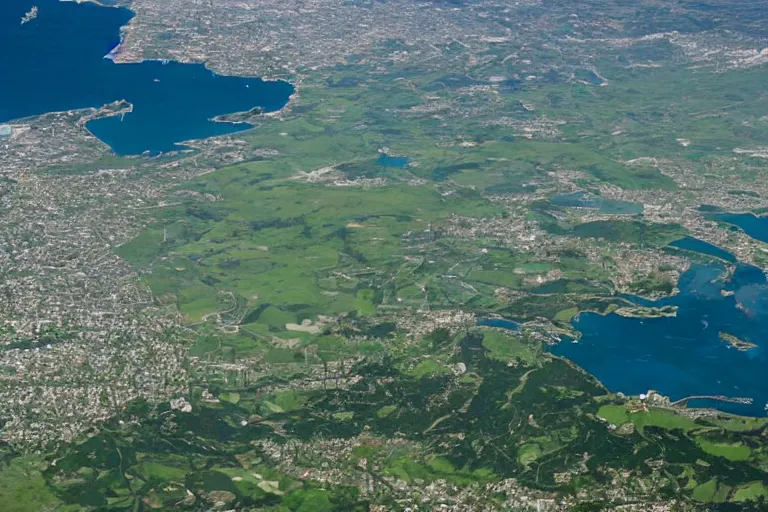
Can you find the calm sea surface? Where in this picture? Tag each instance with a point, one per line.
(684, 356)
(57, 62)
(752, 225)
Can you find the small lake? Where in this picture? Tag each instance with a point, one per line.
(399, 162)
(607, 206)
(57, 62)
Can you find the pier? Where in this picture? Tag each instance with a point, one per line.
(719, 398)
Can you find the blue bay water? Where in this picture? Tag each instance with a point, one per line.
(499, 322)
(755, 226)
(56, 62)
(751, 224)
(684, 356)
(695, 245)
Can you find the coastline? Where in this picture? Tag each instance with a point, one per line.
(117, 56)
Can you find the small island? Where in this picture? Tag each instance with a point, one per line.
(735, 342)
(240, 117)
(31, 15)
(646, 312)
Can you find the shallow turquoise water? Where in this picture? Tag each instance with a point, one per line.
(56, 62)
